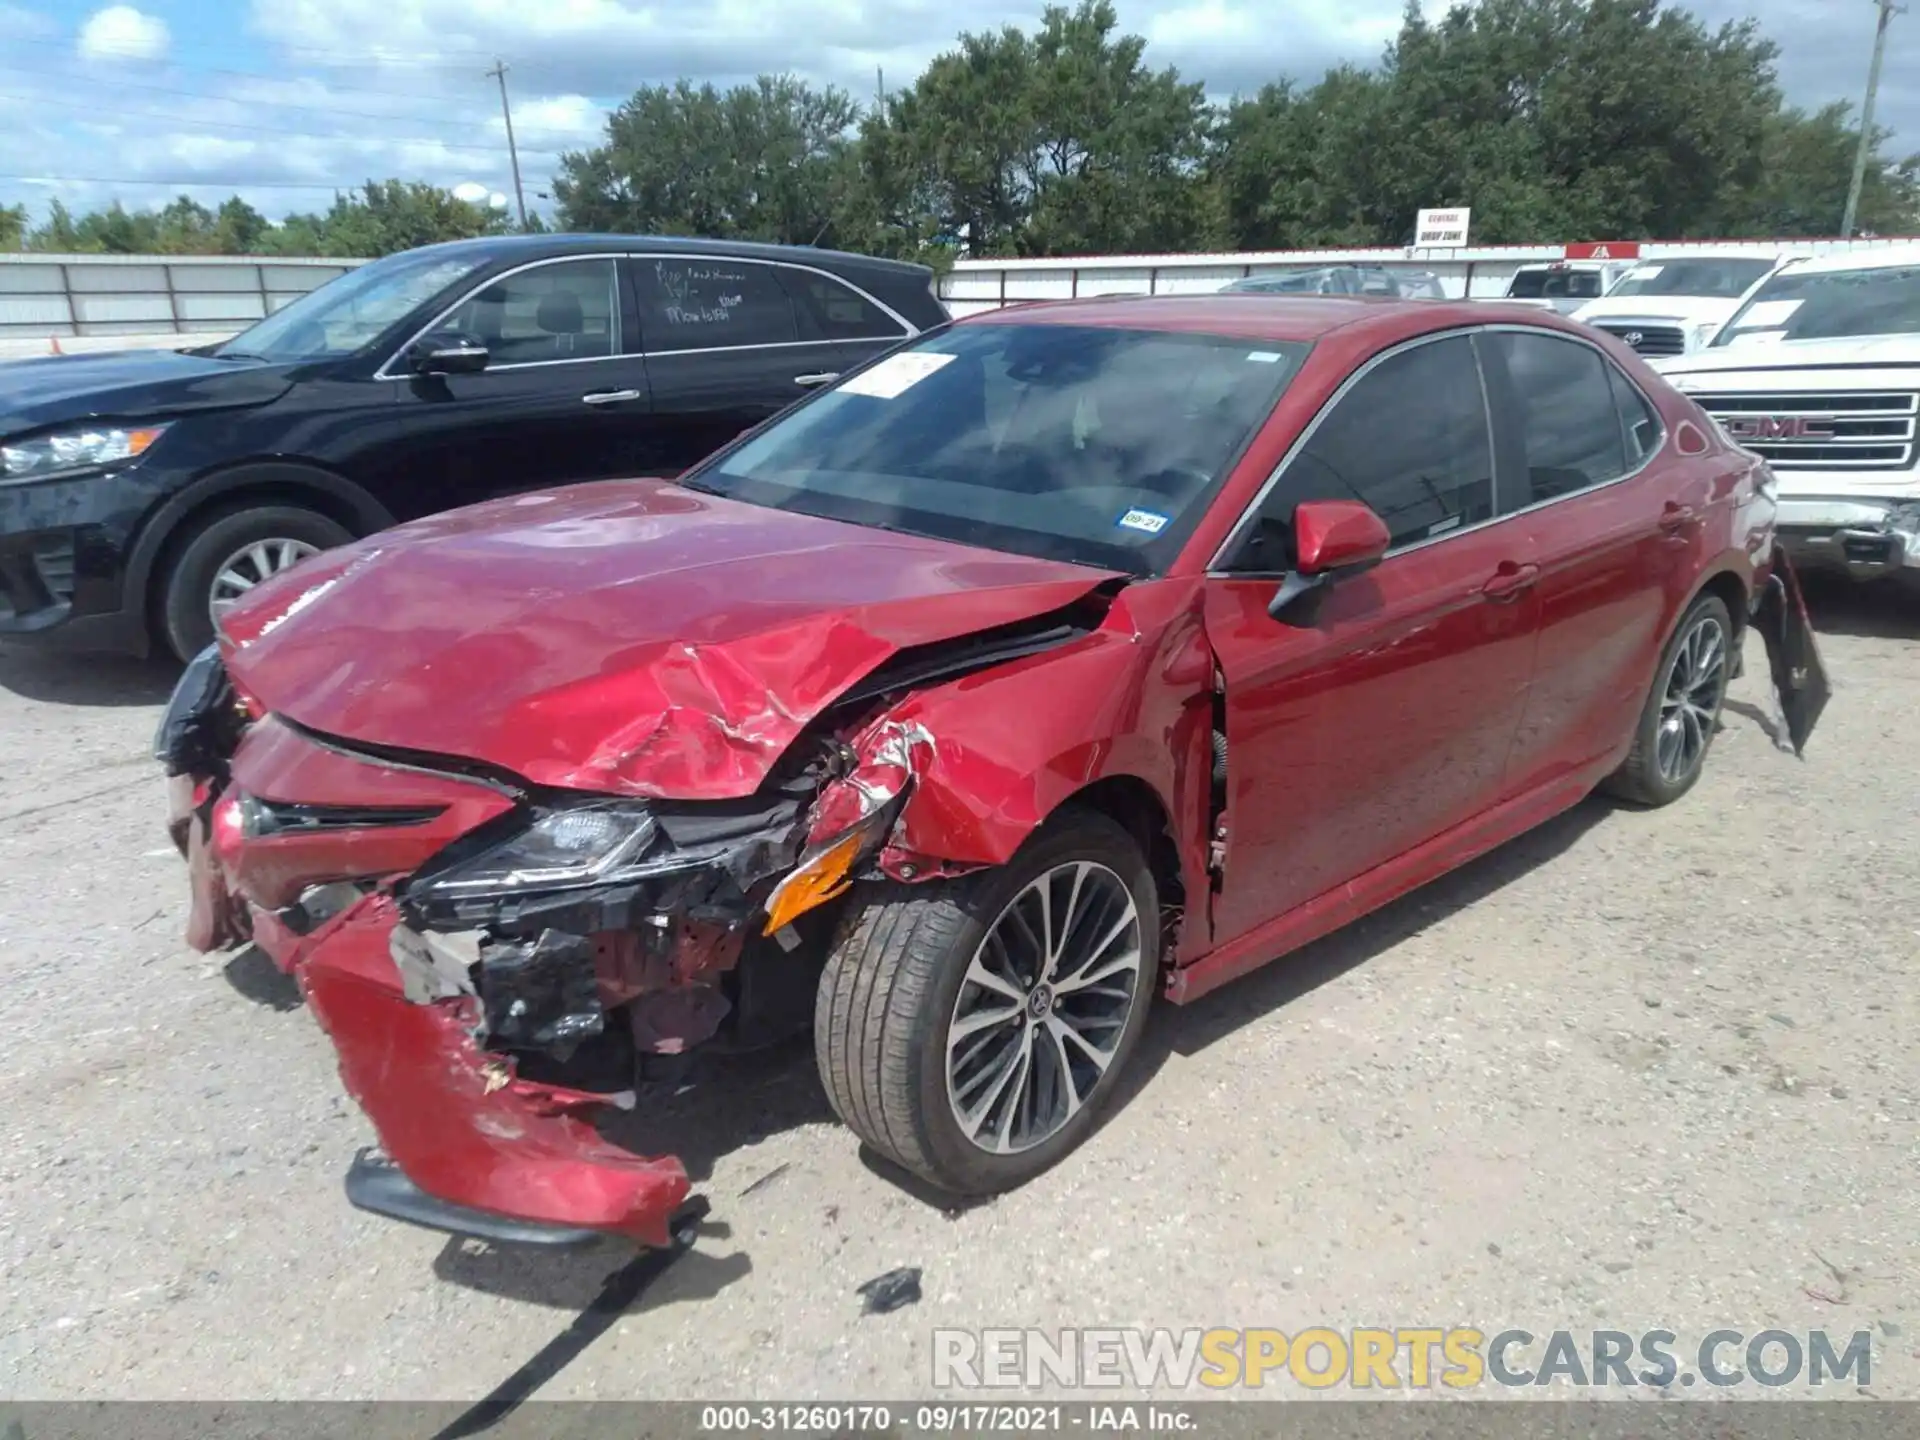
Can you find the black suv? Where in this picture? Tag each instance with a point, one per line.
(141, 492)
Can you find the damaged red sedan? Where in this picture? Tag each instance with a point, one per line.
(1068, 658)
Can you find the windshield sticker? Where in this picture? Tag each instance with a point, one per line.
(892, 377)
(1264, 357)
(1148, 522)
(1644, 272)
(1763, 313)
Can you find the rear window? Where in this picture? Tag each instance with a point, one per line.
(1082, 443)
(1555, 285)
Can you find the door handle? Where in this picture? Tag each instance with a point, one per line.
(610, 397)
(821, 377)
(1509, 581)
(1677, 516)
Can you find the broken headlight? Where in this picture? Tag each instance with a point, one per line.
(588, 844)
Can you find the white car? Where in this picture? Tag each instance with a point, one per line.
(1819, 372)
(1675, 307)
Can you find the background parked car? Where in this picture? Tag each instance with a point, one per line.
(1673, 307)
(1344, 280)
(143, 492)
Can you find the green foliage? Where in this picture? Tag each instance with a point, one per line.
(1553, 119)
(383, 216)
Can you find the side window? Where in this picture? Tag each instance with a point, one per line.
(1567, 418)
(565, 311)
(1638, 419)
(829, 310)
(1410, 439)
(697, 302)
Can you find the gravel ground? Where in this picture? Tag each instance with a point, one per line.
(1636, 1070)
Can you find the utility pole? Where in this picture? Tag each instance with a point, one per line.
(1866, 121)
(499, 72)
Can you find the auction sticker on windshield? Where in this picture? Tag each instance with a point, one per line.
(1768, 312)
(893, 376)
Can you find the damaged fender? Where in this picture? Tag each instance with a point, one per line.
(985, 759)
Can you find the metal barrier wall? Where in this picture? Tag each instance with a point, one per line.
(45, 296)
(1480, 273)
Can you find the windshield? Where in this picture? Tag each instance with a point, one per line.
(1728, 279)
(1087, 444)
(1555, 285)
(1829, 304)
(351, 311)
(1306, 282)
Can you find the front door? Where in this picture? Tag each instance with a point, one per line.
(554, 404)
(1385, 717)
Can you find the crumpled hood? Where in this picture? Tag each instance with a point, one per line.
(629, 636)
(129, 385)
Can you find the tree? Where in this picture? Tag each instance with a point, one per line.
(1801, 184)
(384, 216)
(13, 227)
(1054, 143)
(757, 162)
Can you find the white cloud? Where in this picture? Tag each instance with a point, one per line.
(121, 32)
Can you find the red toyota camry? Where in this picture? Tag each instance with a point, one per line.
(1069, 658)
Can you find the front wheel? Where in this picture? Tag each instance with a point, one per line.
(230, 554)
(1682, 712)
(973, 1030)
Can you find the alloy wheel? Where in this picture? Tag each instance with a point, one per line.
(1043, 1006)
(252, 563)
(1696, 683)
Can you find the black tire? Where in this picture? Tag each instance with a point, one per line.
(187, 587)
(1641, 779)
(889, 991)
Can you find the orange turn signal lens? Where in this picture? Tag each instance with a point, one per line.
(814, 881)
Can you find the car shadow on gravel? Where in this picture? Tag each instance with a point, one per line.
(255, 977)
(722, 1104)
(104, 681)
(1188, 1029)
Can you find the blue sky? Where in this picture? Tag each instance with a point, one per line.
(285, 100)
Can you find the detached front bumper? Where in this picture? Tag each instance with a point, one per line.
(458, 1122)
(1865, 538)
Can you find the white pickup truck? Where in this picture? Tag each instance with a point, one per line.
(1675, 307)
(1563, 285)
(1819, 372)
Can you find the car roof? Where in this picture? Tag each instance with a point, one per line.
(1880, 257)
(532, 247)
(1253, 315)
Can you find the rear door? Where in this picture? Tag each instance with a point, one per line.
(725, 350)
(1386, 717)
(1610, 554)
(558, 396)
(829, 308)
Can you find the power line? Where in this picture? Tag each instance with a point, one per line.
(202, 183)
(252, 74)
(193, 120)
(346, 57)
(256, 101)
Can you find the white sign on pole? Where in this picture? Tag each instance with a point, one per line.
(1441, 229)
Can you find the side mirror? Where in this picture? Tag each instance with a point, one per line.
(446, 353)
(1331, 535)
(1331, 538)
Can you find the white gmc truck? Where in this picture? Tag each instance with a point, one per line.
(1819, 372)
